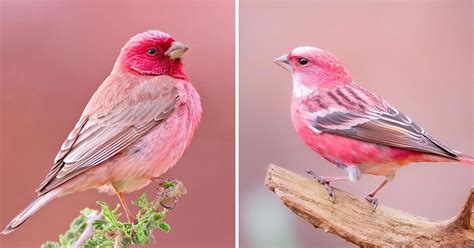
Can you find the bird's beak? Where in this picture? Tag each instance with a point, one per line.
(283, 62)
(176, 50)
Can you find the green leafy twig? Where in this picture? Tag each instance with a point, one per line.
(104, 229)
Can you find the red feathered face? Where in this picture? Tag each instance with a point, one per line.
(154, 53)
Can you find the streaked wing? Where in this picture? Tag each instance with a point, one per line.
(95, 139)
(390, 127)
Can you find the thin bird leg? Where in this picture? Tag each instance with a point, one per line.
(371, 196)
(124, 204)
(326, 181)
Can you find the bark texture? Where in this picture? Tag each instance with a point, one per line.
(352, 218)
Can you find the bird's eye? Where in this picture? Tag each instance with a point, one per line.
(302, 61)
(152, 51)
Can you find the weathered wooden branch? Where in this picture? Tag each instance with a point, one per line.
(352, 218)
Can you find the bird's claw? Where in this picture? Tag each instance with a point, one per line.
(167, 206)
(374, 201)
(325, 182)
(332, 192)
(316, 177)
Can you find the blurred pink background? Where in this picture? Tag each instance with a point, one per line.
(416, 54)
(54, 54)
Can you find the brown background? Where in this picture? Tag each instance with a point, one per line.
(54, 54)
(416, 54)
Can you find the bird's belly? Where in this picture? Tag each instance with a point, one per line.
(150, 157)
(380, 169)
(369, 157)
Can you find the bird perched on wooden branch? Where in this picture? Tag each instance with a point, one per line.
(352, 127)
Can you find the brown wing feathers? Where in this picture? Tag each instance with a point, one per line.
(94, 140)
(391, 128)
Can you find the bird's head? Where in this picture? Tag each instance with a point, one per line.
(153, 53)
(313, 67)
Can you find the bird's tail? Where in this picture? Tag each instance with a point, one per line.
(40, 202)
(466, 159)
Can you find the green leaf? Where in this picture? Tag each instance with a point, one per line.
(165, 227)
(169, 184)
(109, 227)
(142, 201)
(50, 244)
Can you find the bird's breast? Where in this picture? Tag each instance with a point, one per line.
(165, 144)
(160, 149)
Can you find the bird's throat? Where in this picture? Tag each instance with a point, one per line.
(299, 89)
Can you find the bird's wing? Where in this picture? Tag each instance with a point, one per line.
(386, 127)
(95, 139)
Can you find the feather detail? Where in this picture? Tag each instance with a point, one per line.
(100, 135)
(371, 123)
(463, 158)
(31, 209)
(373, 131)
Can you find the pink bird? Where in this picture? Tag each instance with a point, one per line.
(352, 127)
(135, 127)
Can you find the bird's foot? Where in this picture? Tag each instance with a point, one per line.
(168, 206)
(373, 200)
(132, 232)
(132, 222)
(324, 181)
(166, 189)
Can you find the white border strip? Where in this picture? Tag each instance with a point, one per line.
(236, 123)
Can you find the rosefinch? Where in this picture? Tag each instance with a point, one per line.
(135, 127)
(353, 127)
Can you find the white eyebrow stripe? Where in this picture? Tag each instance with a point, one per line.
(304, 49)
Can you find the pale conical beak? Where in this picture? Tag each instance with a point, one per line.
(176, 50)
(283, 62)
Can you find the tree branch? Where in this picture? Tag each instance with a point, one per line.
(352, 218)
(88, 232)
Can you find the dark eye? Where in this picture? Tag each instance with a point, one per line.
(152, 51)
(302, 61)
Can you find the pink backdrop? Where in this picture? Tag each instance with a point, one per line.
(416, 54)
(54, 54)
